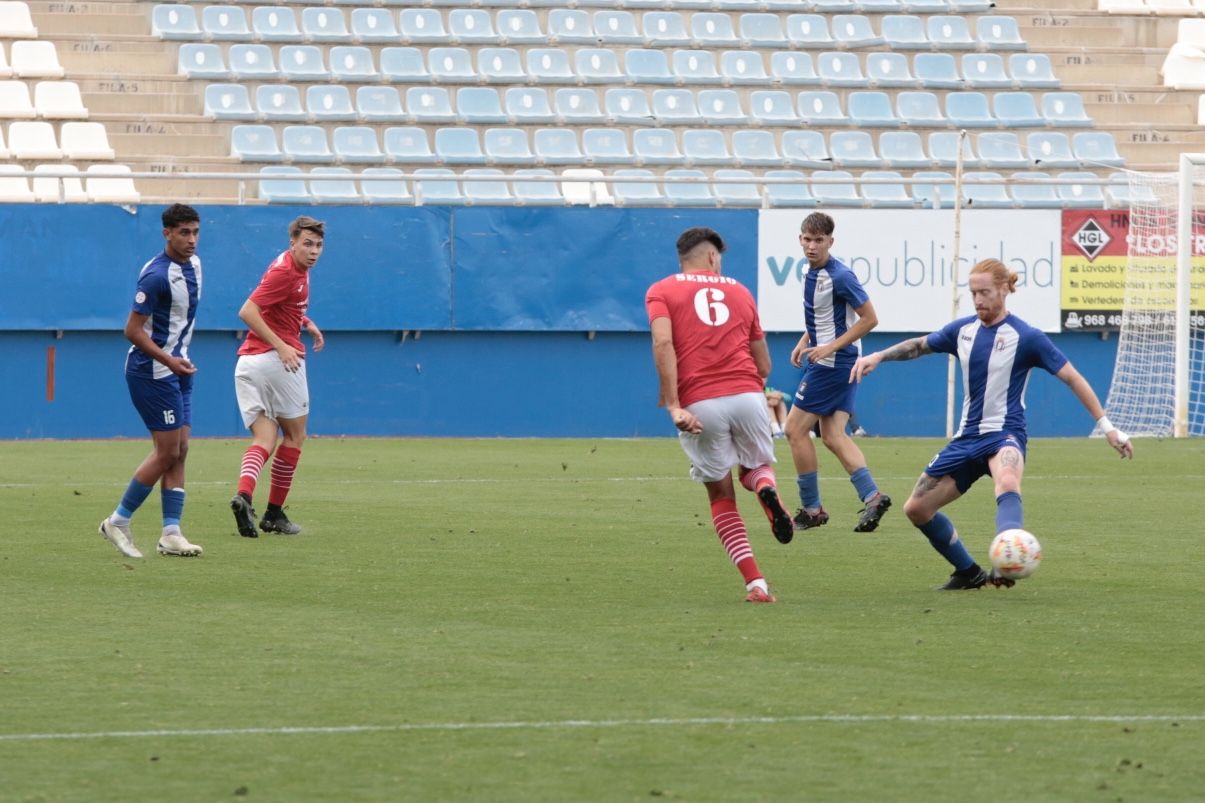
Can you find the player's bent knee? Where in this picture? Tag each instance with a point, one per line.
(918, 512)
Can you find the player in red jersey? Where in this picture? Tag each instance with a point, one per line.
(712, 361)
(270, 377)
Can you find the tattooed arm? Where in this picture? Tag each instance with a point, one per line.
(907, 350)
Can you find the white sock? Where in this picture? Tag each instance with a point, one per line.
(118, 520)
(171, 529)
(758, 583)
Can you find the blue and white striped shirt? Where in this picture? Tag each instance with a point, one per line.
(168, 293)
(831, 294)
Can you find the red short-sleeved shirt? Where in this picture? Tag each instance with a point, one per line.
(283, 295)
(714, 320)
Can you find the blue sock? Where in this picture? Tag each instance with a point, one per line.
(173, 505)
(864, 483)
(136, 493)
(809, 489)
(940, 532)
(1008, 511)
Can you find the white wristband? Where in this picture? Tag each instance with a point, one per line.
(1122, 438)
(1105, 425)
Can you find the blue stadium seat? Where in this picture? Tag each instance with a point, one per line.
(943, 150)
(616, 28)
(340, 189)
(1032, 71)
(949, 32)
(985, 71)
(937, 71)
(486, 193)
(721, 107)
(675, 107)
(696, 193)
(809, 31)
(422, 26)
(404, 65)
(772, 108)
(854, 30)
(927, 6)
(570, 26)
(821, 108)
(578, 107)
(508, 146)
(1049, 149)
(352, 64)
(755, 149)
(596, 65)
(872, 109)
(228, 102)
(471, 26)
(451, 65)
(376, 26)
(520, 27)
(1017, 110)
(840, 69)
(197, 60)
(919, 110)
(458, 146)
(479, 105)
(385, 192)
(886, 196)
(665, 29)
(1064, 109)
(985, 196)
(306, 143)
(745, 67)
(903, 149)
(998, 33)
(744, 194)
(279, 102)
(853, 149)
(279, 184)
(636, 193)
(705, 146)
(436, 185)
(1001, 150)
(558, 146)
(647, 67)
(928, 193)
(357, 144)
(301, 63)
(329, 103)
(529, 105)
(834, 6)
(322, 24)
(379, 104)
(254, 143)
(408, 145)
(536, 193)
(500, 65)
(806, 149)
(656, 146)
(971, 6)
(1121, 194)
(1096, 149)
(761, 30)
(430, 104)
(889, 70)
(835, 188)
(713, 30)
(905, 32)
(969, 110)
(251, 63)
(550, 65)
(606, 146)
(225, 23)
(792, 69)
(175, 21)
(630, 106)
(880, 6)
(1034, 196)
(796, 193)
(695, 67)
(275, 24)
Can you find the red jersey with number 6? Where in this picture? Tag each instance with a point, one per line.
(283, 295)
(714, 319)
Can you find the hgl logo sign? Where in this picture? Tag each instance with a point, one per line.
(1091, 239)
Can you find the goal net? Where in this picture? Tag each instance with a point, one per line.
(1158, 386)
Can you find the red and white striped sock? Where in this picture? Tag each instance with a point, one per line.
(283, 468)
(253, 463)
(735, 538)
(754, 479)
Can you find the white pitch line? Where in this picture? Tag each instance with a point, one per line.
(581, 724)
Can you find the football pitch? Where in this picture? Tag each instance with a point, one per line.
(553, 620)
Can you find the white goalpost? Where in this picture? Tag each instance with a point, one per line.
(1158, 386)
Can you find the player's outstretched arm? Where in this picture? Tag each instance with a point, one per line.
(905, 350)
(1087, 397)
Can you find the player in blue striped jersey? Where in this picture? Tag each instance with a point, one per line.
(996, 351)
(159, 376)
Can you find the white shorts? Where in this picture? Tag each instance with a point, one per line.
(264, 387)
(736, 430)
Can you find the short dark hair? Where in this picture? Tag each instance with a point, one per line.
(818, 223)
(179, 214)
(691, 238)
(305, 223)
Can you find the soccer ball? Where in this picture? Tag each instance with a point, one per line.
(1015, 554)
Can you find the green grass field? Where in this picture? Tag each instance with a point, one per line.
(555, 620)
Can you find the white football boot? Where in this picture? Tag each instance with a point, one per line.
(173, 542)
(119, 537)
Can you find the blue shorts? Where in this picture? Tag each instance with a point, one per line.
(965, 459)
(164, 404)
(825, 390)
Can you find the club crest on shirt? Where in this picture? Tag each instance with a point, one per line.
(140, 297)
